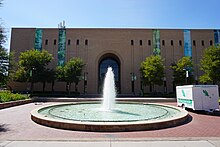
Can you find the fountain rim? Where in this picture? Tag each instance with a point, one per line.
(181, 118)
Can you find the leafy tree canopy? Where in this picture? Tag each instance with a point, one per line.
(179, 71)
(152, 70)
(4, 65)
(210, 65)
(31, 64)
(71, 72)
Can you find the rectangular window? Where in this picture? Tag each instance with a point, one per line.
(54, 42)
(69, 41)
(163, 42)
(86, 42)
(211, 43)
(203, 43)
(132, 42)
(140, 42)
(149, 42)
(180, 42)
(46, 42)
(171, 42)
(77, 42)
(194, 43)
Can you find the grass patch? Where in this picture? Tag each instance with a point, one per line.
(7, 96)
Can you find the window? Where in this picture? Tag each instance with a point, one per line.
(86, 42)
(140, 42)
(149, 42)
(77, 42)
(171, 42)
(54, 42)
(211, 43)
(194, 43)
(203, 43)
(46, 42)
(132, 42)
(69, 41)
(163, 42)
(180, 42)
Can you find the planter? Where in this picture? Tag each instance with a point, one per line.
(14, 103)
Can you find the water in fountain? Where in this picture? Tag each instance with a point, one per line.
(109, 93)
(144, 116)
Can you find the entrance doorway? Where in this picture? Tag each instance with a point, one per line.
(105, 62)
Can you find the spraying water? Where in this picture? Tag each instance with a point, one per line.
(109, 93)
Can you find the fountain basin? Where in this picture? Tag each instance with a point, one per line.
(129, 116)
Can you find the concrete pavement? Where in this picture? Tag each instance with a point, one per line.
(17, 130)
(200, 143)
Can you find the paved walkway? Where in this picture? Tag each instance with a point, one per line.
(17, 129)
(201, 143)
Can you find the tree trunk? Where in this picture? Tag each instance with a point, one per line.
(67, 86)
(150, 87)
(32, 87)
(70, 88)
(52, 86)
(44, 84)
(76, 89)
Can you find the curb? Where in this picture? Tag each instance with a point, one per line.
(14, 103)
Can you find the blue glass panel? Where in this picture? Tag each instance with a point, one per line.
(187, 43)
(217, 37)
(38, 39)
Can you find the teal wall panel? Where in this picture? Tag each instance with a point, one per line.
(156, 42)
(38, 39)
(61, 47)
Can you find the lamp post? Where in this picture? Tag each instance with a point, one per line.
(85, 82)
(32, 79)
(196, 78)
(133, 78)
(165, 85)
(187, 75)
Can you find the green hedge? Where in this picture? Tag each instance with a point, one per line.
(54, 94)
(7, 96)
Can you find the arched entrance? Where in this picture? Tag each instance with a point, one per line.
(109, 60)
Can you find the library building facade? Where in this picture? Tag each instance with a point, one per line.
(122, 49)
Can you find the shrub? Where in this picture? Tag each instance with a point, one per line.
(7, 96)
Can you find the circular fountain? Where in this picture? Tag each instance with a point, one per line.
(109, 115)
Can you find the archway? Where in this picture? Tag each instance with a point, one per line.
(109, 60)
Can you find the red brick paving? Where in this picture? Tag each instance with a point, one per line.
(16, 124)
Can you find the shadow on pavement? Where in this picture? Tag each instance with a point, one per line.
(4, 128)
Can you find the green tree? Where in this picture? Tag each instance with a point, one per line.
(32, 66)
(71, 72)
(4, 65)
(4, 57)
(180, 70)
(47, 76)
(210, 65)
(152, 70)
(7, 63)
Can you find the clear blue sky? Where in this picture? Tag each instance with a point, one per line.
(111, 13)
